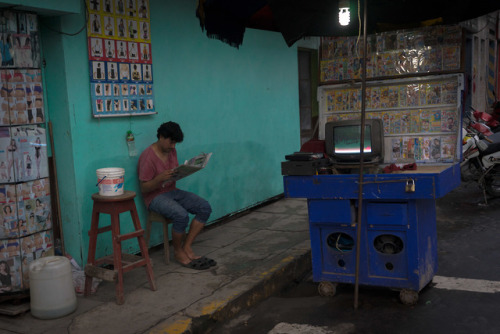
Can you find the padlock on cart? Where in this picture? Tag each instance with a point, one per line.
(410, 186)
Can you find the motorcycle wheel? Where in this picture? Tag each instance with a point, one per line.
(492, 186)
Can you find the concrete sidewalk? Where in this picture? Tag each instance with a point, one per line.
(257, 254)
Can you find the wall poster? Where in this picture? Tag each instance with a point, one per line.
(120, 64)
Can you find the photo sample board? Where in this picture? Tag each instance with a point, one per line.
(421, 116)
(25, 203)
(393, 54)
(120, 64)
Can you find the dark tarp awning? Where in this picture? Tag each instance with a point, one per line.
(227, 19)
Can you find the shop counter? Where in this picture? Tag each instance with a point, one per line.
(398, 242)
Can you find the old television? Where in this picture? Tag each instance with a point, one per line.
(343, 139)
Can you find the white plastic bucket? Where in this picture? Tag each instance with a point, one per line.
(52, 292)
(110, 181)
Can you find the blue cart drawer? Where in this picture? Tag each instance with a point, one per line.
(331, 211)
(386, 213)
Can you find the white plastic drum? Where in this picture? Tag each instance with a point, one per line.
(51, 287)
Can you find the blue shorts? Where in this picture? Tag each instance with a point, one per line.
(177, 205)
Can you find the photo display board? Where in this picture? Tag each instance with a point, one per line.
(421, 116)
(25, 203)
(411, 52)
(120, 64)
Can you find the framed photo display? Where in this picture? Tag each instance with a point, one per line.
(393, 54)
(25, 205)
(120, 63)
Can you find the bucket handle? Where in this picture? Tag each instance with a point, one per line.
(100, 180)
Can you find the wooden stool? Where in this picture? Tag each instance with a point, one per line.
(156, 217)
(122, 262)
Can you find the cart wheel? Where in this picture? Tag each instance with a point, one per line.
(327, 289)
(408, 297)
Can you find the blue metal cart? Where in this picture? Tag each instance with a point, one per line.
(398, 244)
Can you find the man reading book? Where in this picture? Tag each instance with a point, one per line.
(155, 168)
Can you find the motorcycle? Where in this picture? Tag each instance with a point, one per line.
(481, 160)
(489, 122)
(473, 126)
(488, 119)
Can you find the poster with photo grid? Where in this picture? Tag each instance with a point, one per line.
(120, 64)
(421, 116)
(392, 54)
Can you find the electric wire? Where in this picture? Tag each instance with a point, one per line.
(473, 32)
(337, 245)
(75, 33)
(359, 30)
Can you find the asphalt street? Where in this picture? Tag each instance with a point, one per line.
(464, 296)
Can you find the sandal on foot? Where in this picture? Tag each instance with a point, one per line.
(197, 265)
(210, 262)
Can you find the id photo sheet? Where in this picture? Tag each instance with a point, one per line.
(120, 64)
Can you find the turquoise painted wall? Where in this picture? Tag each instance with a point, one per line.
(240, 104)
(45, 7)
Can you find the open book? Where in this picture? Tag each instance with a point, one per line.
(189, 167)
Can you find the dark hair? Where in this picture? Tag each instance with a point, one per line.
(170, 130)
(7, 267)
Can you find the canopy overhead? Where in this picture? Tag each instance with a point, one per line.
(227, 19)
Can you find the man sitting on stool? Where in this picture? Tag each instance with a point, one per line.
(156, 165)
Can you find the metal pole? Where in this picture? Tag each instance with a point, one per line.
(362, 146)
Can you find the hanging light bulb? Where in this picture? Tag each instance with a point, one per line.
(344, 14)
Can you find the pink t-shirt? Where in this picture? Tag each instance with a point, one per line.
(151, 165)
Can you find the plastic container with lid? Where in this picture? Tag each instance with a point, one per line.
(51, 287)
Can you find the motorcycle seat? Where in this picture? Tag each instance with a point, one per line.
(492, 148)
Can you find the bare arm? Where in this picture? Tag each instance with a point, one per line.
(156, 182)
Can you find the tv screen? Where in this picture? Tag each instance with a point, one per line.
(348, 138)
(343, 138)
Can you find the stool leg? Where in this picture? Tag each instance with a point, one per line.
(117, 256)
(143, 246)
(165, 242)
(94, 225)
(148, 230)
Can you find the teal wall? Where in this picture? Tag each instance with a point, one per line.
(241, 104)
(45, 7)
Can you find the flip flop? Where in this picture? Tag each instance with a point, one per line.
(196, 264)
(209, 261)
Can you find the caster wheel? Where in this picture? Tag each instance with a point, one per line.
(327, 289)
(408, 297)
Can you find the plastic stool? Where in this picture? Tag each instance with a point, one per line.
(122, 262)
(156, 217)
